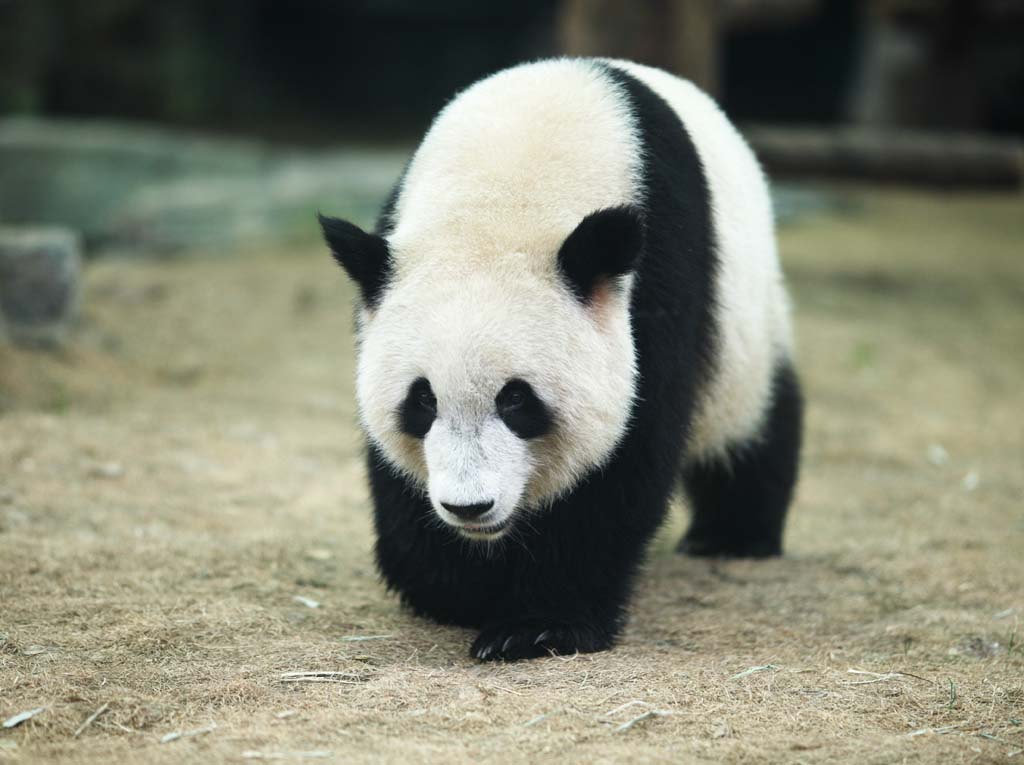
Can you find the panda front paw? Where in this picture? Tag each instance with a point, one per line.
(530, 639)
(722, 546)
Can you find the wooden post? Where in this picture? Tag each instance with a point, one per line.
(678, 35)
(693, 42)
(943, 160)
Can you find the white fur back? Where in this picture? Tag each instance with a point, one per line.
(752, 309)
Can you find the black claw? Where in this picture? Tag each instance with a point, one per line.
(515, 641)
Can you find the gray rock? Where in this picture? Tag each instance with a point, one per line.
(79, 173)
(142, 190)
(39, 277)
(212, 212)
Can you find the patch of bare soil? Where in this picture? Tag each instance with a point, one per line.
(184, 527)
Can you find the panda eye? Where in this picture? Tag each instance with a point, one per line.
(425, 398)
(522, 411)
(418, 410)
(512, 397)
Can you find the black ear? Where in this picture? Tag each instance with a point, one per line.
(364, 256)
(607, 243)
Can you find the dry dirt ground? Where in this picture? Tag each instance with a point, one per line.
(190, 466)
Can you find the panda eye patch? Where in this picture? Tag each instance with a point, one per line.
(522, 411)
(419, 409)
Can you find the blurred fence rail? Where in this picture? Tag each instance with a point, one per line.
(951, 160)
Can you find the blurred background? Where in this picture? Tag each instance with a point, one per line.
(319, 71)
(142, 129)
(167, 126)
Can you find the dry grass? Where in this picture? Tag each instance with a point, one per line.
(170, 485)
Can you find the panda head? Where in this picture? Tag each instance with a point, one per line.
(494, 381)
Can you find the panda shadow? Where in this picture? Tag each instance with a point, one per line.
(712, 605)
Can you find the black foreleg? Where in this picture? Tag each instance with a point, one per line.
(574, 579)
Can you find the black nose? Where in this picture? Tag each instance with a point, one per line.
(468, 512)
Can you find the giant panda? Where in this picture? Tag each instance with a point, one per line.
(571, 306)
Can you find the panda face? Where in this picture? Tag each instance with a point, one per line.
(477, 472)
(495, 391)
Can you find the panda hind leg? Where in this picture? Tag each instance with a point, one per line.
(739, 504)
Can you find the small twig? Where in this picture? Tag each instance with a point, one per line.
(627, 705)
(322, 677)
(360, 638)
(513, 691)
(18, 719)
(317, 754)
(119, 726)
(752, 670)
(538, 718)
(881, 677)
(990, 737)
(916, 677)
(176, 735)
(943, 729)
(91, 719)
(878, 679)
(650, 713)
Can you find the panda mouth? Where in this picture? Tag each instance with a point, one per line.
(487, 531)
